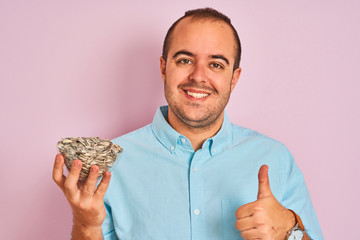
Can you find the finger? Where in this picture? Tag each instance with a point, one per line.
(70, 183)
(245, 224)
(264, 183)
(245, 211)
(90, 184)
(251, 234)
(58, 175)
(102, 187)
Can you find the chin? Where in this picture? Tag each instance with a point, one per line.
(198, 120)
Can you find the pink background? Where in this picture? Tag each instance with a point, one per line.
(91, 68)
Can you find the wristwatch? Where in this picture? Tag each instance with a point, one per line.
(297, 232)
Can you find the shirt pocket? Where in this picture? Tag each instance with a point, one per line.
(228, 208)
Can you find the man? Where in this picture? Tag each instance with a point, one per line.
(191, 174)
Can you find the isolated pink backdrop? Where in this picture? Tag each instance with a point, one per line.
(91, 68)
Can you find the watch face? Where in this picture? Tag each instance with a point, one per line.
(296, 235)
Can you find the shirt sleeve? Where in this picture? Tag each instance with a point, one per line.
(297, 198)
(108, 225)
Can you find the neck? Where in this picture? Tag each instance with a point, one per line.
(196, 135)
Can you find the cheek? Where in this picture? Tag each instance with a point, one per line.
(222, 83)
(176, 76)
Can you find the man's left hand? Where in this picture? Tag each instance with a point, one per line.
(265, 218)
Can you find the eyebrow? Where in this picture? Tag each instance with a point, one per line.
(192, 55)
(183, 52)
(220, 57)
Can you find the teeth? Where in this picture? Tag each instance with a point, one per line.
(197, 95)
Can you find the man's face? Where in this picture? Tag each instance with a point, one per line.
(198, 74)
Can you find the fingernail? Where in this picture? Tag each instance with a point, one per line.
(94, 169)
(76, 164)
(57, 159)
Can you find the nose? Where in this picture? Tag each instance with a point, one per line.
(198, 73)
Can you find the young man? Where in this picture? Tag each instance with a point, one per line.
(191, 174)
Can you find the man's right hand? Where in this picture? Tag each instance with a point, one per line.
(86, 200)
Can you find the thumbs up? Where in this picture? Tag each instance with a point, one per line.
(264, 183)
(265, 218)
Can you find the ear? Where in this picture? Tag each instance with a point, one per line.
(162, 68)
(235, 78)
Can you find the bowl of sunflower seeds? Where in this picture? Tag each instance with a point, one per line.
(91, 151)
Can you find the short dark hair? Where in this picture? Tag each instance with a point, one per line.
(203, 13)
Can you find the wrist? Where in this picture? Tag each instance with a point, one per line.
(298, 231)
(82, 231)
(291, 220)
(298, 220)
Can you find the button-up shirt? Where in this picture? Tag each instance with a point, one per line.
(162, 189)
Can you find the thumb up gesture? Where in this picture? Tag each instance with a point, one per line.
(265, 218)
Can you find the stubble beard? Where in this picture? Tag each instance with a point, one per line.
(207, 118)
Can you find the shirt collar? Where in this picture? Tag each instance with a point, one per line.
(168, 137)
(223, 138)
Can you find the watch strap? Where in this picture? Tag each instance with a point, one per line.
(298, 220)
(300, 225)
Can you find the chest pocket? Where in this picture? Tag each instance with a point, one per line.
(228, 208)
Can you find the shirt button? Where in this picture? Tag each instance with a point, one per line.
(172, 148)
(183, 140)
(195, 169)
(197, 211)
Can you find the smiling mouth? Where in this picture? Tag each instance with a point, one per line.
(197, 95)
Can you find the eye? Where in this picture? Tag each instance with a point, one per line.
(216, 65)
(184, 61)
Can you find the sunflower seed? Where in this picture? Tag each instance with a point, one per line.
(91, 151)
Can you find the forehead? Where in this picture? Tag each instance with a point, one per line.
(203, 37)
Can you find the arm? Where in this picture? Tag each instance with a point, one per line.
(266, 218)
(86, 200)
(293, 193)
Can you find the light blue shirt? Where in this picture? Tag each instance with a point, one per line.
(162, 189)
